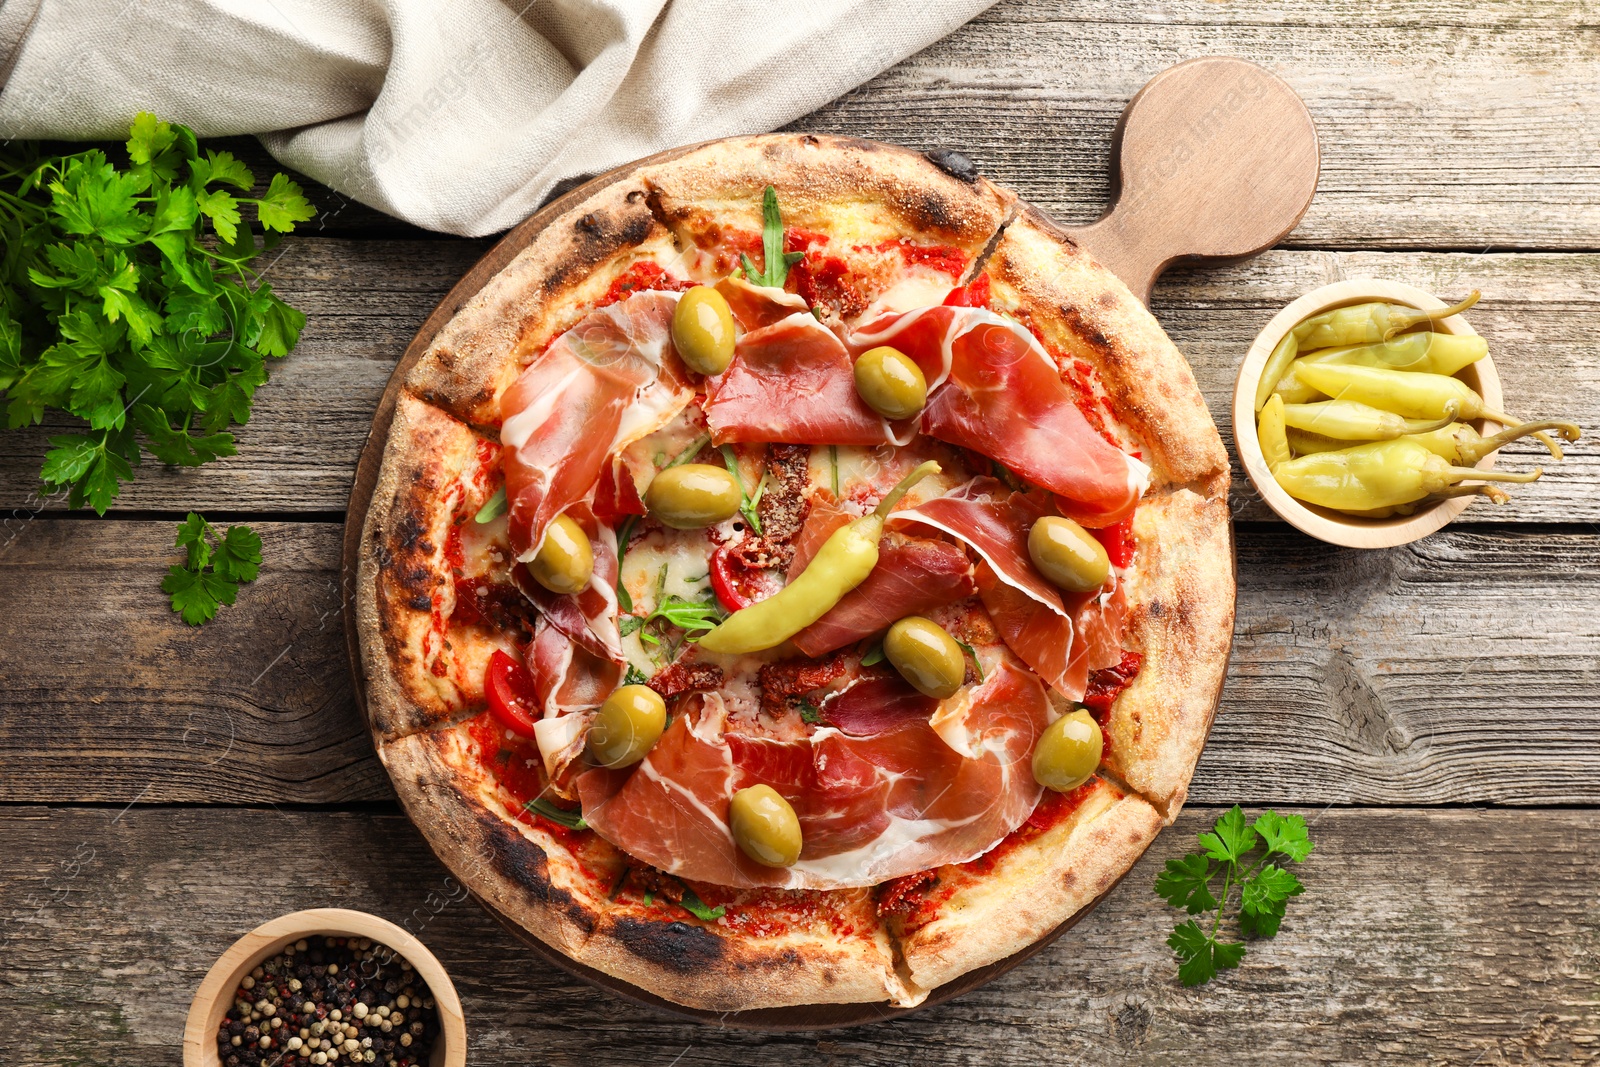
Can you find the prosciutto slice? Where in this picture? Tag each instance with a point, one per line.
(995, 390)
(755, 306)
(569, 682)
(914, 575)
(1048, 631)
(793, 381)
(931, 784)
(609, 379)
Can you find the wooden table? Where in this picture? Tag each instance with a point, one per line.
(1433, 711)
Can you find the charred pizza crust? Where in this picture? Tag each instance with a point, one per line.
(567, 268)
(832, 950)
(419, 674)
(666, 215)
(854, 191)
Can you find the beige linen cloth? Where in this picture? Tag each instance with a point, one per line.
(457, 115)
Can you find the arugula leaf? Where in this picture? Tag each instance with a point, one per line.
(874, 655)
(492, 508)
(977, 664)
(215, 563)
(634, 676)
(1264, 887)
(689, 452)
(572, 820)
(128, 300)
(624, 535)
(694, 617)
(776, 261)
(695, 906)
(747, 504)
(809, 712)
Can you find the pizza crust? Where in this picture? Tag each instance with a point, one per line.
(428, 478)
(1180, 618)
(540, 294)
(1086, 312)
(1032, 889)
(520, 870)
(854, 191)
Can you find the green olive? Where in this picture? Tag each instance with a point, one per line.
(926, 656)
(691, 495)
(565, 560)
(626, 725)
(702, 330)
(1068, 752)
(765, 826)
(890, 382)
(1068, 555)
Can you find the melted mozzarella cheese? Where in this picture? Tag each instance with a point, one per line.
(663, 563)
(920, 288)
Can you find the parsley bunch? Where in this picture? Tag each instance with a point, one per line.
(217, 562)
(1264, 887)
(127, 299)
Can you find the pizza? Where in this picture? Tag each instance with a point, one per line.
(802, 575)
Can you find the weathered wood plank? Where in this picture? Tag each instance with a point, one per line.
(254, 707)
(1448, 937)
(366, 298)
(1446, 125)
(1462, 669)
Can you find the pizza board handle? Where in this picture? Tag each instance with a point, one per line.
(1214, 159)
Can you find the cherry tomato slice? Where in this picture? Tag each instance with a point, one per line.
(975, 294)
(1117, 540)
(736, 584)
(510, 690)
(724, 583)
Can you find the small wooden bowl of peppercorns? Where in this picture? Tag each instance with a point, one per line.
(326, 987)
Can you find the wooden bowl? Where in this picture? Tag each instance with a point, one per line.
(215, 995)
(1324, 523)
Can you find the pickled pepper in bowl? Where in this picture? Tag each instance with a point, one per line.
(1359, 410)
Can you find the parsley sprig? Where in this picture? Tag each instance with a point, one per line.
(127, 299)
(216, 563)
(1265, 887)
(775, 261)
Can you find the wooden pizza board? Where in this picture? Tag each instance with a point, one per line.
(1214, 160)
